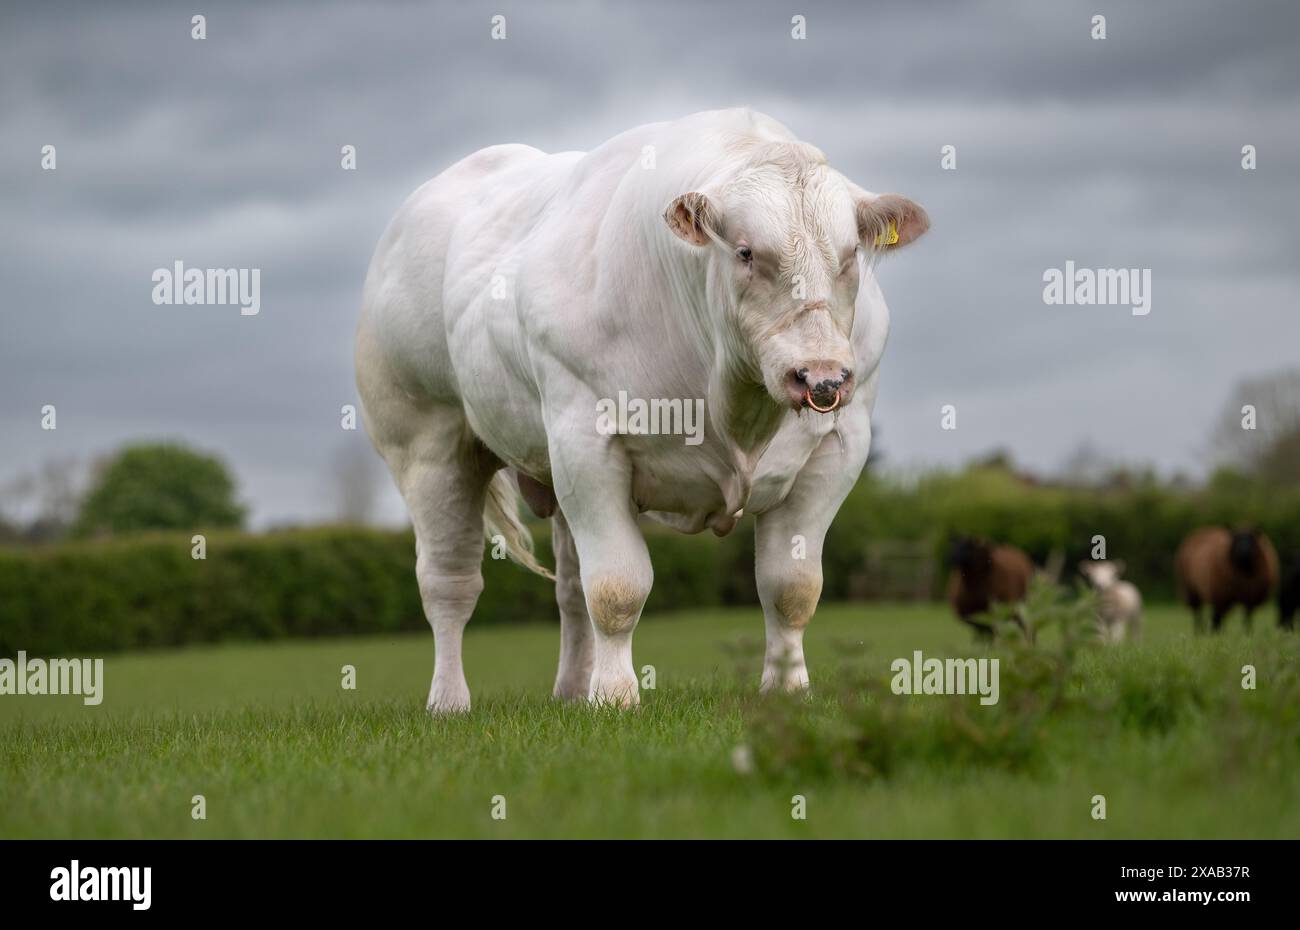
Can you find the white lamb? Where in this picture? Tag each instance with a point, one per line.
(1119, 604)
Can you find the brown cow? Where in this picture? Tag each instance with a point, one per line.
(984, 574)
(1223, 568)
(1288, 595)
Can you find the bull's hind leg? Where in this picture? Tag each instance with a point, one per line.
(573, 678)
(443, 474)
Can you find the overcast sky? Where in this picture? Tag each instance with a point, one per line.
(226, 153)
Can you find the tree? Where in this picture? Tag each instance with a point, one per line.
(998, 459)
(1271, 449)
(357, 478)
(159, 486)
(42, 505)
(1086, 465)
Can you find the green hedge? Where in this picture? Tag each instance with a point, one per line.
(1143, 523)
(146, 591)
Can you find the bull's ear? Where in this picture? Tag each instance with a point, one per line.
(889, 221)
(690, 216)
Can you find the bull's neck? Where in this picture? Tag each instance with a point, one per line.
(743, 412)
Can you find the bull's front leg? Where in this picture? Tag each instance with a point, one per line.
(788, 566)
(595, 497)
(616, 578)
(788, 552)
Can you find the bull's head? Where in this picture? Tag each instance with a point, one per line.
(784, 240)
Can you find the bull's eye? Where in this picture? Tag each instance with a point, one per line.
(745, 254)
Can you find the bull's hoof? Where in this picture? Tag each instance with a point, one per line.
(784, 679)
(619, 693)
(444, 709)
(447, 699)
(572, 689)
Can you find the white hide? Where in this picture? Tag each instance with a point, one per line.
(517, 289)
(1119, 604)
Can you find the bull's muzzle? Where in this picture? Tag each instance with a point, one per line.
(812, 403)
(822, 387)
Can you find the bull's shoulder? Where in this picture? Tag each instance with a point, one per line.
(492, 181)
(495, 158)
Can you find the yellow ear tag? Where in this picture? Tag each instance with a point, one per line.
(888, 238)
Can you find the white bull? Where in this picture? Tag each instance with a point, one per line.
(519, 298)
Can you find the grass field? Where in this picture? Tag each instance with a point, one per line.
(279, 749)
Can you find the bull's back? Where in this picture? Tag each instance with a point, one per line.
(420, 262)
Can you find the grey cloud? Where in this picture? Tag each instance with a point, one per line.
(225, 153)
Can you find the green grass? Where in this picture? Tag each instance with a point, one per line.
(267, 735)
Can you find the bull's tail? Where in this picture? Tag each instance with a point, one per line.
(501, 519)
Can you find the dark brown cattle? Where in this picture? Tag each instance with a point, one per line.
(984, 574)
(1288, 595)
(1223, 568)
